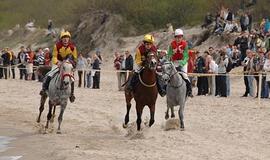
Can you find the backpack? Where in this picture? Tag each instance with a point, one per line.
(229, 67)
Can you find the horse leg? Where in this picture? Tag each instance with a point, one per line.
(152, 115)
(49, 115)
(181, 116)
(41, 107)
(127, 115)
(53, 114)
(139, 116)
(167, 113)
(172, 112)
(60, 118)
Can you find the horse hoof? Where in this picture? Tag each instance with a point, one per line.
(172, 116)
(59, 132)
(166, 117)
(125, 125)
(182, 129)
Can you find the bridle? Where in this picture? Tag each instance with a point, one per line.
(65, 74)
(170, 75)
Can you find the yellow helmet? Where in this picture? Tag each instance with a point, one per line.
(65, 34)
(148, 38)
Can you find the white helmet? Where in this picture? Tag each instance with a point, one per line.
(178, 32)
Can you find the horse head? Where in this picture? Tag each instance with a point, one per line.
(168, 70)
(151, 61)
(66, 73)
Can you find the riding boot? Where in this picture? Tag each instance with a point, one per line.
(189, 88)
(161, 87)
(72, 97)
(45, 86)
(133, 82)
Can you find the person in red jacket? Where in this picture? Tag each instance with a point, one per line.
(178, 54)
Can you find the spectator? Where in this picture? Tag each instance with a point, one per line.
(235, 57)
(117, 65)
(213, 69)
(267, 41)
(99, 56)
(221, 87)
(228, 27)
(258, 64)
(88, 73)
(22, 62)
(1, 66)
(96, 68)
(266, 67)
(266, 26)
(13, 62)
(50, 25)
(30, 60)
(250, 72)
(230, 16)
(81, 64)
(47, 57)
(129, 61)
(242, 43)
(6, 61)
(244, 22)
(202, 82)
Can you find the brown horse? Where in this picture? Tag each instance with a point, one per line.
(145, 93)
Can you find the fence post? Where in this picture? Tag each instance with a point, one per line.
(260, 88)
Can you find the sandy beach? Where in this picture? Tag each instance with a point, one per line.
(216, 128)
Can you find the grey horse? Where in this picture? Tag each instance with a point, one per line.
(58, 93)
(176, 91)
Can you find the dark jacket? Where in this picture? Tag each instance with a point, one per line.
(95, 64)
(200, 65)
(6, 58)
(129, 63)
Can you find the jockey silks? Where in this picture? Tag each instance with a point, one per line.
(60, 52)
(178, 51)
(142, 52)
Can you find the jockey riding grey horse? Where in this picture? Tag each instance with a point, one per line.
(176, 91)
(178, 54)
(63, 49)
(59, 91)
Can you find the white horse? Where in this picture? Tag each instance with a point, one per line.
(176, 91)
(58, 93)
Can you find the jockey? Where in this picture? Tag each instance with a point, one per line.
(140, 56)
(178, 54)
(62, 50)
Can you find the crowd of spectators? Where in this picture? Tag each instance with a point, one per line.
(33, 64)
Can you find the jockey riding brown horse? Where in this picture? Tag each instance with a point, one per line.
(145, 93)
